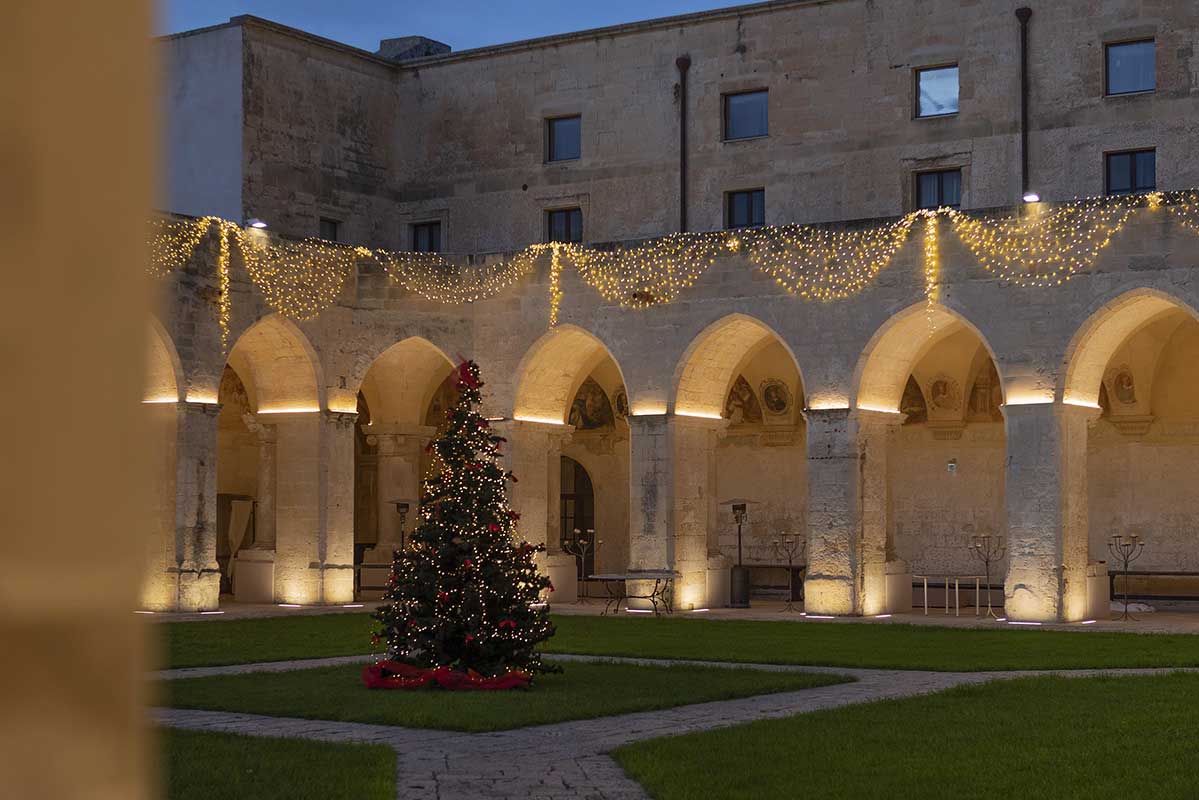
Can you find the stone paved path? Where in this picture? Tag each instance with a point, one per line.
(566, 760)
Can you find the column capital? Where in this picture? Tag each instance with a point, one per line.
(398, 439)
(341, 419)
(556, 433)
(1050, 408)
(191, 407)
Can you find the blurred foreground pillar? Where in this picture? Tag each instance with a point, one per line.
(76, 151)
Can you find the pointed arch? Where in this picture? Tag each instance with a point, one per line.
(710, 364)
(279, 367)
(1104, 331)
(400, 382)
(552, 371)
(163, 380)
(898, 345)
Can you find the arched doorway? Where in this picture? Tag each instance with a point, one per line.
(943, 452)
(1138, 361)
(739, 374)
(577, 497)
(272, 521)
(403, 400)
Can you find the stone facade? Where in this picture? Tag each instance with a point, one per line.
(1012, 439)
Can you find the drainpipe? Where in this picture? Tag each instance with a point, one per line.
(1023, 14)
(684, 64)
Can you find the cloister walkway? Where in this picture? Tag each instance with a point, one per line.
(568, 760)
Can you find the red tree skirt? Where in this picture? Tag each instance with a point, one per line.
(394, 675)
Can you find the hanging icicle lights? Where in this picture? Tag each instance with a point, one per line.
(1037, 246)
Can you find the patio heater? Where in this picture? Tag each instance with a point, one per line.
(739, 579)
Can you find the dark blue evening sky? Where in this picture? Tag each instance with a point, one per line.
(462, 24)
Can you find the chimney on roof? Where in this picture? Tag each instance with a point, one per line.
(406, 48)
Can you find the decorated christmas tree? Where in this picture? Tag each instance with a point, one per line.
(463, 606)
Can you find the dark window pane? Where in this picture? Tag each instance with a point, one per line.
(937, 189)
(927, 195)
(329, 229)
(937, 91)
(575, 217)
(565, 135)
(745, 115)
(1119, 173)
(951, 188)
(1145, 170)
(566, 225)
(1131, 67)
(426, 237)
(747, 208)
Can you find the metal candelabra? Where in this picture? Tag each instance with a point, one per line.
(790, 547)
(578, 548)
(1125, 550)
(989, 549)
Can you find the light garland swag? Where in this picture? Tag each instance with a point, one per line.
(1040, 247)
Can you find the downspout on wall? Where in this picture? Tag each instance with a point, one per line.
(683, 63)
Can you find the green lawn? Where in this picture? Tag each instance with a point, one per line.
(864, 645)
(1035, 737)
(201, 765)
(584, 690)
(245, 641)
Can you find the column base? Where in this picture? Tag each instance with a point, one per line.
(563, 571)
(375, 571)
(254, 576)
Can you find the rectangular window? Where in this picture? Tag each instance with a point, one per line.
(426, 237)
(1131, 67)
(939, 189)
(937, 91)
(745, 209)
(330, 230)
(745, 115)
(1131, 172)
(564, 225)
(563, 138)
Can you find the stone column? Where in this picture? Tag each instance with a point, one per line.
(264, 506)
(672, 500)
(847, 510)
(399, 449)
(254, 566)
(335, 535)
(1046, 496)
(651, 492)
(875, 431)
(695, 500)
(199, 575)
(532, 453)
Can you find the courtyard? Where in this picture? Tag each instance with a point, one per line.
(748, 705)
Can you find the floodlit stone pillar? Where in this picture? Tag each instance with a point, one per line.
(651, 492)
(399, 449)
(694, 490)
(264, 506)
(335, 533)
(533, 453)
(198, 586)
(1046, 491)
(299, 502)
(875, 430)
(671, 500)
(834, 471)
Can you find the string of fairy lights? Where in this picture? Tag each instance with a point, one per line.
(1037, 246)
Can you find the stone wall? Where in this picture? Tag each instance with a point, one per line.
(337, 132)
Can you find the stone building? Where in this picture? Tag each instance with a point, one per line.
(933, 378)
